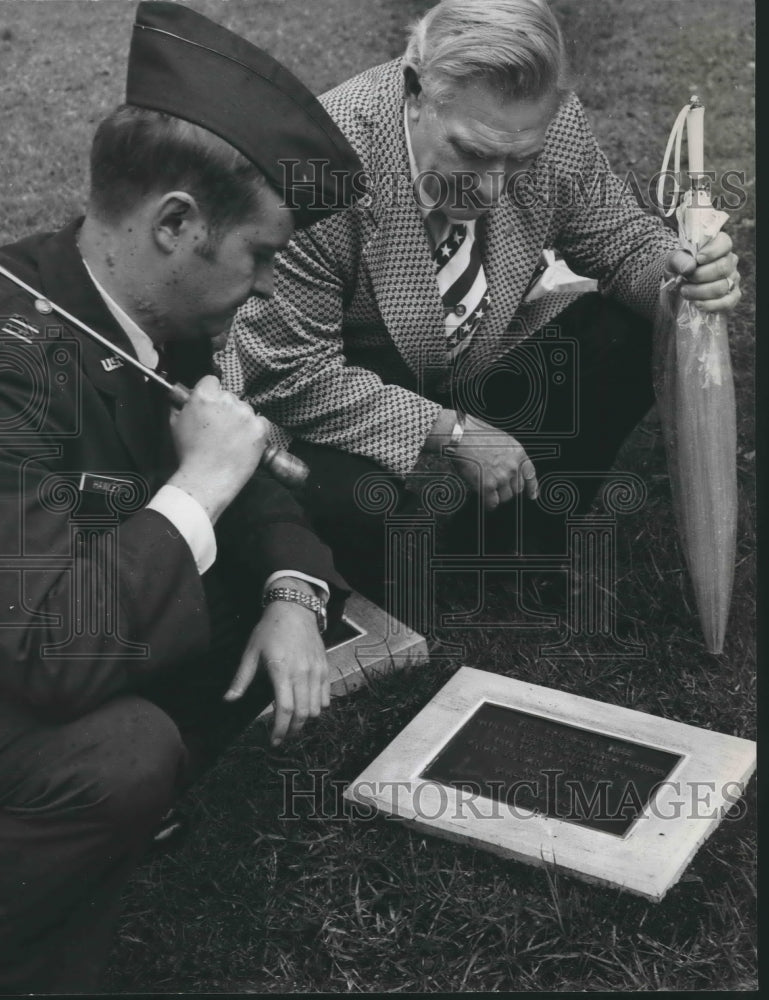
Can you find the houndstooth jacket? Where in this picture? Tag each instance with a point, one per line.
(353, 341)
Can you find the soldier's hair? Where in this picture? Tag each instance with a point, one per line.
(515, 46)
(137, 151)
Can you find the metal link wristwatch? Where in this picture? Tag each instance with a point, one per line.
(457, 434)
(314, 604)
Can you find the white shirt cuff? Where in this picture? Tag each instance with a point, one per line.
(320, 585)
(190, 520)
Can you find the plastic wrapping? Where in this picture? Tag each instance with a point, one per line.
(695, 396)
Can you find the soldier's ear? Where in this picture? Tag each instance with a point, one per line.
(176, 216)
(412, 82)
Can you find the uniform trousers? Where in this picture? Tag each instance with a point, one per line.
(579, 391)
(80, 800)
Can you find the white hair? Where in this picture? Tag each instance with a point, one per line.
(514, 45)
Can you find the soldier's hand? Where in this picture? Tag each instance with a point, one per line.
(287, 645)
(494, 464)
(219, 441)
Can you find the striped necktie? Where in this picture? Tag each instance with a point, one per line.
(462, 285)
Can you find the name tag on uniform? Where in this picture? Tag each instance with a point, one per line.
(91, 483)
(111, 364)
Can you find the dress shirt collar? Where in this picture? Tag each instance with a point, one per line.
(141, 343)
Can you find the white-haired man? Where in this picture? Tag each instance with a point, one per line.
(400, 327)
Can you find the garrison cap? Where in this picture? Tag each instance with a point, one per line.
(185, 65)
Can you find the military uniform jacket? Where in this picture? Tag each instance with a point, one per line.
(353, 342)
(96, 591)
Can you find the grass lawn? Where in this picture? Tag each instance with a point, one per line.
(258, 903)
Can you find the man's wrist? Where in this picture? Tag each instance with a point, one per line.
(442, 431)
(212, 495)
(305, 598)
(457, 433)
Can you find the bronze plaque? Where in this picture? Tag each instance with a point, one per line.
(534, 764)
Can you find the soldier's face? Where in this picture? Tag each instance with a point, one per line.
(212, 275)
(470, 147)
